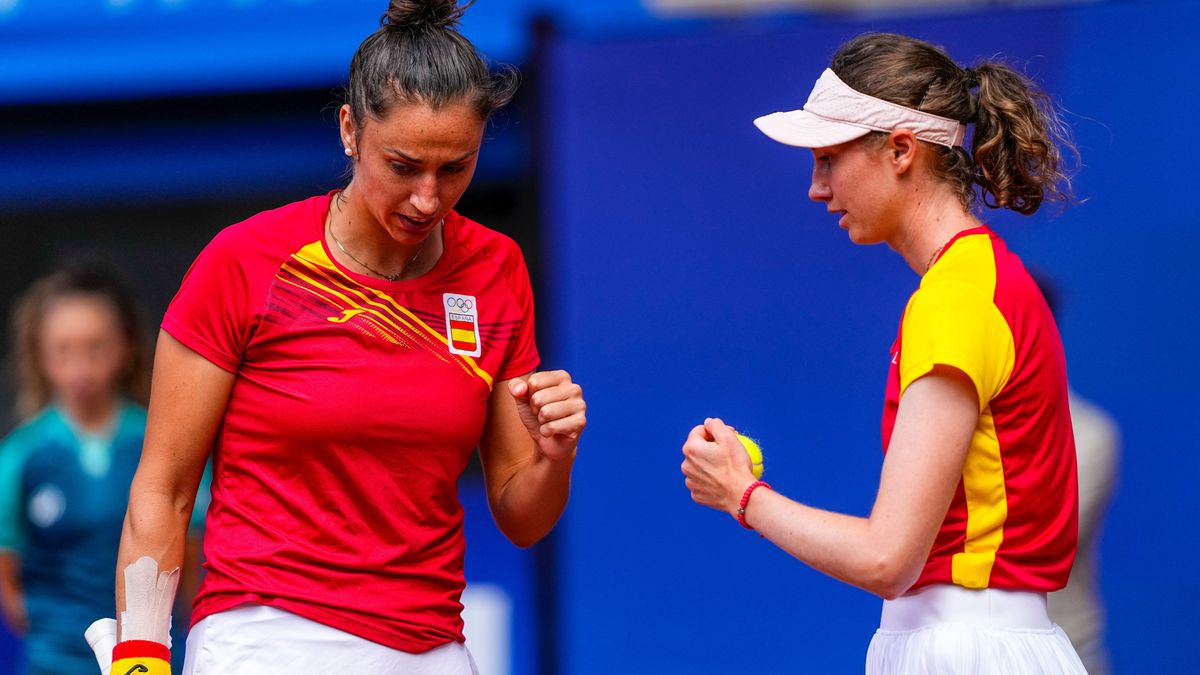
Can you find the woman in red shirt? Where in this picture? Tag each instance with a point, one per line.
(342, 357)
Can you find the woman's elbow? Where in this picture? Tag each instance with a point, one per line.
(890, 575)
(523, 540)
(523, 524)
(520, 534)
(155, 508)
(521, 531)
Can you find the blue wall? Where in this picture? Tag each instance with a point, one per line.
(688, 275)
(55, 52)
(58, 50)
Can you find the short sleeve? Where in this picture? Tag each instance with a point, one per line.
(955, 324)
(522, 356)
(213, 314)
(12, 462)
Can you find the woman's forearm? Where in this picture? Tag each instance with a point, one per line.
(848, 548)
(533, 499)
(187, 401)
(528, 449)
(155, 527)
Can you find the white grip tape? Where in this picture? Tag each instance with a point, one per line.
(149, 598)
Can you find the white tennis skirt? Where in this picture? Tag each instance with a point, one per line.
(261, 640)
(951, 630)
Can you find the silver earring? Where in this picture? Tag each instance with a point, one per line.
(349, 152)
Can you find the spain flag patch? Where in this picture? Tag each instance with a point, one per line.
(462, 324)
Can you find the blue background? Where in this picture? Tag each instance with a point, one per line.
(683, 273)
(56, 50)
(690, 276)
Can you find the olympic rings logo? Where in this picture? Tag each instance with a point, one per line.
(461, 304)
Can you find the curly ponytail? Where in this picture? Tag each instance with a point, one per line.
(1018, 135)
(1016, 155)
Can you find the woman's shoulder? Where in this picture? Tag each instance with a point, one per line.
(967, 266)
(473, 236)
(263, 241)
(286, 227)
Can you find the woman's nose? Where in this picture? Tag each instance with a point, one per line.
(425, 197)
(818, 190)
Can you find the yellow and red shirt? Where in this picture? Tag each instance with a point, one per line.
(1013, 521)
(357, 404)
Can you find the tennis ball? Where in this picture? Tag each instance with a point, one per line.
(756, 458)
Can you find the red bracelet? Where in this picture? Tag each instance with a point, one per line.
(741, 512)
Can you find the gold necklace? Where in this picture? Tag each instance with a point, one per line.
(372, 270)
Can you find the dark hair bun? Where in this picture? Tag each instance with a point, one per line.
(420, 14)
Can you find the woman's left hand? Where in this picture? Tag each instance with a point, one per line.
(553, 410)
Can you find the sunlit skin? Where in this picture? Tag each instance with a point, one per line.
(410, 169)
(854, 179)
(885, 193)
(82, 352)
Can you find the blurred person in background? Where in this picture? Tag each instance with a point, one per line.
(1079, 608)
(341, 358)
(81, 365)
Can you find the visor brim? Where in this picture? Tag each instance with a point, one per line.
(802, 129)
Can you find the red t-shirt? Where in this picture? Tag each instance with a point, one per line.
(357, 404)
(1013, 521)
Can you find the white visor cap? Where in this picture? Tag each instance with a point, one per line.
(835, 113)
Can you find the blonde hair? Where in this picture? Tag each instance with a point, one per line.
(33, 388)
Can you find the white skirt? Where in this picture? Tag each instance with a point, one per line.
(950, 630)
(261, 640)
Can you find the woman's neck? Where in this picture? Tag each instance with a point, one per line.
(355, 231)
(928, 226)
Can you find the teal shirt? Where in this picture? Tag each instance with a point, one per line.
(63, 495)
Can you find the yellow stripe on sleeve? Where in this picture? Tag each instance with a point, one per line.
(952, 320)
(987, 507)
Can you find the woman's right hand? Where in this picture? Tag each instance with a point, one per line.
(716, 467)
(552, 408)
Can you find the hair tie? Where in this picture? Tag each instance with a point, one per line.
(972, 78)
